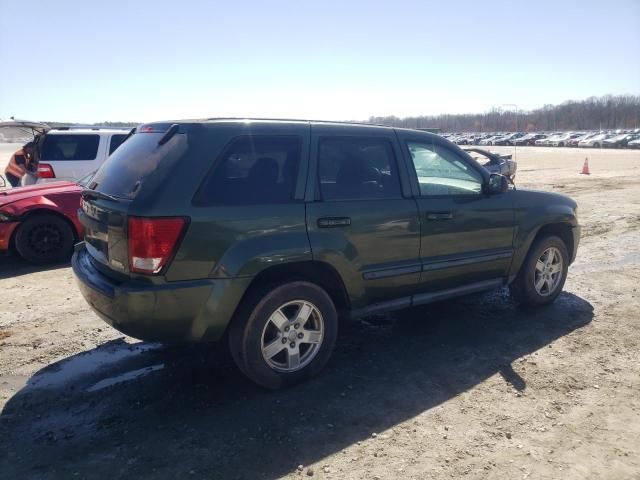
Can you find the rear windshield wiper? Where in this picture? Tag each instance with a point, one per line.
(86, 193)
(173, 129)
(131, 132)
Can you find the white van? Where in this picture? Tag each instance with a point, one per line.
(67, 153)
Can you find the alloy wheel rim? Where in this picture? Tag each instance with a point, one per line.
(45, 239)
(548, 272)
(292, 336)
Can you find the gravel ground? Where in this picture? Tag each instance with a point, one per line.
(474, 387)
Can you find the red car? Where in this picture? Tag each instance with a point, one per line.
(40, 222)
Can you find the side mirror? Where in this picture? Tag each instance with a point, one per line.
(497, 184)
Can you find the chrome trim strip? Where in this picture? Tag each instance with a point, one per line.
(440, 264)
(391, 272)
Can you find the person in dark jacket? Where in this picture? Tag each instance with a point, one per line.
(20, 163)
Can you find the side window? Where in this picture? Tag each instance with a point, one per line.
(259, 169)
(115, 142)
(442, 172)
(70, 147)
(355, 168)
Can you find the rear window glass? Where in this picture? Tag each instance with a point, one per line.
(130, 165)
(260, 169)
(357, 169)
(70, 147)
(115, 142)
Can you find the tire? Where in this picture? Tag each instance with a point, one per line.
(44, 238)
(258, 324)
(523, 289)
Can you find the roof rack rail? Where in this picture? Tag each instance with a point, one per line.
(348, 122)
(89, 127)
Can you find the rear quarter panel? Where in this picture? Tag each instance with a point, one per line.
(240, 241)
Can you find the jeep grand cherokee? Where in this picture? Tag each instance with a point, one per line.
(261, 232)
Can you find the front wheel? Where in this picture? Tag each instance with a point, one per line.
(543, 273)
(44, 238)
(285, 334)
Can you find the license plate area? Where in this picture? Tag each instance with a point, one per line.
(104, 235)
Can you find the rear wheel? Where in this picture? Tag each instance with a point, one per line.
(44, 238)
(284, 334)
(543, 273)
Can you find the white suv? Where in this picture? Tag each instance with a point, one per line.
(68, 153)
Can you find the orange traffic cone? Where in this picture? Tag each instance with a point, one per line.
(585, 167)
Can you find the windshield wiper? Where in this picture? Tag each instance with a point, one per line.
(131, 132)
(173, 129)
(86, 193)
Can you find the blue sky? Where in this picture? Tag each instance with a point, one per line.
(141, 60)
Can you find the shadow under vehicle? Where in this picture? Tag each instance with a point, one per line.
(146, 410)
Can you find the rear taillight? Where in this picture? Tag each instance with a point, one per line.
(153, 242)
(45, 171)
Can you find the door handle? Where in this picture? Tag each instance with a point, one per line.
(332, 222)
(439, 215)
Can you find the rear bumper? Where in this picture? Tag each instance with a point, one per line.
(6, 230)
(198, 310)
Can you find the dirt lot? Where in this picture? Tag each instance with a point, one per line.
(473, 387)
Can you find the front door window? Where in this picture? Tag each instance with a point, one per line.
(441, 171)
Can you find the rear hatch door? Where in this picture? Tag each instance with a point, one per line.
(22, 130)
(126, 182)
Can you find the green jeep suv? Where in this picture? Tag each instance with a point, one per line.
(262, 233)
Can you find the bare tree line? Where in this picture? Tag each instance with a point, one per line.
(594, 113)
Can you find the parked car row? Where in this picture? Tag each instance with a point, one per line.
(599, 139)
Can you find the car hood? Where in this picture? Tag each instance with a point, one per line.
(531, 197)
(11, 195)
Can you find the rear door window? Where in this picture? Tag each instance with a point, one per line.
(70, 147)
(115, 142)
(355, 168)
(254, 169)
